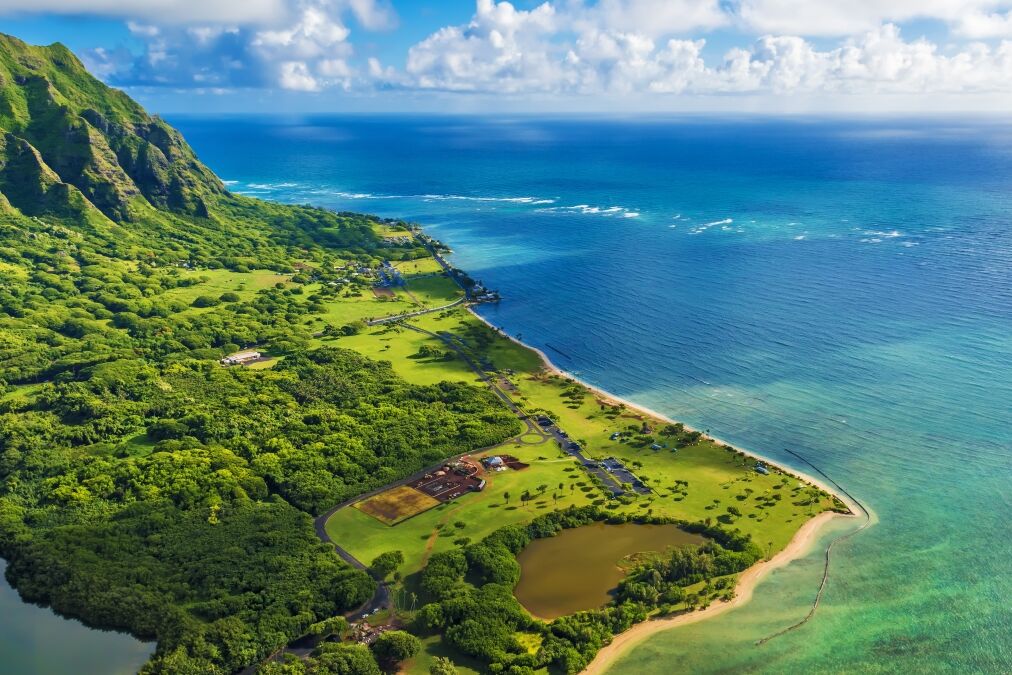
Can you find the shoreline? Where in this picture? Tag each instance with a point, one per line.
(800, 545)
(854, 508)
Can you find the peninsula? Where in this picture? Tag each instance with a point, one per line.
(279, 438)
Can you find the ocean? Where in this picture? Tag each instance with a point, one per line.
(842, 289)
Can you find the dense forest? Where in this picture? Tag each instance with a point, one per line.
(143, 486)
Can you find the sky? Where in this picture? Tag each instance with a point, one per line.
(484, 56)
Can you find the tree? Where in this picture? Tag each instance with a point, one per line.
(395, 646)
(335, 625)
(442, 666)
(506, 496)
(344, 659)
(384, 564)
(205, 301)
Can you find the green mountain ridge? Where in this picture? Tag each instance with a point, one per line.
(144, 487)
(92, 139)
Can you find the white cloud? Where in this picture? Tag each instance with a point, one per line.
(315, 34)
(847, 17)
(161, 11)
(626, 48)
(648, 17)
(295, 75)
(982, 25)
(309, 50)
(501, 46)
(374, 14)
(505, 50)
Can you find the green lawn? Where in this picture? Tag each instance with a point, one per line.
(697, 482)
(244, 284)
(433, 291)
(482, 512)
(409, 268)
(20, 392)
(715, 477)
(400, 347)
(362, 307)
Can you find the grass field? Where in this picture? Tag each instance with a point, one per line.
(396, 504)
(480, 512)
(433, 291)
(243, 284)
(347, 309)
(409, 268)
(400, 347)
(697, 482)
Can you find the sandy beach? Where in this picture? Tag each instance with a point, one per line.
(608, 397)
(801, 544)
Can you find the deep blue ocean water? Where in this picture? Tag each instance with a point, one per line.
(839, 288)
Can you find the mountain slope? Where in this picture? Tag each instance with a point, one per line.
(143, 486)
(94, 138)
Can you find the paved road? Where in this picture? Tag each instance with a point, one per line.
(553, 431)
(382, 598)
(408, 315)
(590, 465)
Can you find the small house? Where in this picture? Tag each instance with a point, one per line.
(240, 358)
(493, 462)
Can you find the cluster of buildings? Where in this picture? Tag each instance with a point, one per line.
(481, 294)
(363, 633)
(450, 481)
(389, 275)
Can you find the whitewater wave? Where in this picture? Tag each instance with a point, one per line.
(468, 198)
(706, 226)
(891, 234)
(588, 210)
(271, 186)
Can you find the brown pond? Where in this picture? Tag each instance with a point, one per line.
(578, 568)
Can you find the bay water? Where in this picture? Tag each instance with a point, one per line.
(841, 288)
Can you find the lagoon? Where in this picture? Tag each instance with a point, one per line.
(578, 568)
(35, 641)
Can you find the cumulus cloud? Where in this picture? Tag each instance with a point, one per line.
(295, 75)
(648, 17)
(307, 50)
(565, 47)
(551, 49)
(501, 45)
(161, 11)
(847, 17)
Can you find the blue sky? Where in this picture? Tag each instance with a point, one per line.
(555, 55)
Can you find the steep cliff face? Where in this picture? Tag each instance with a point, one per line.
(68, 138)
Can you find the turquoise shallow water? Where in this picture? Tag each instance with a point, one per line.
(843, 289)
